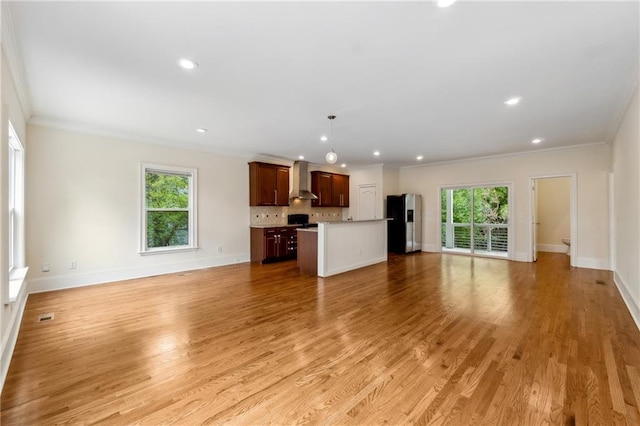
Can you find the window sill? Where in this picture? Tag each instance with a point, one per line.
(167, 250)
(17, 279)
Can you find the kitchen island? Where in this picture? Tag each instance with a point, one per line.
(342, 246)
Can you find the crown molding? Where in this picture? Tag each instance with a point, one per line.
(171, 143)
(131, 137)
(510, 154)
(14, 59)
(623, 105)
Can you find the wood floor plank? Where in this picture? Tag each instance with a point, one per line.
(421, 339)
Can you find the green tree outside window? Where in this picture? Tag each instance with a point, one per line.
(167, 209)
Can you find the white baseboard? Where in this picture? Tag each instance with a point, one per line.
(632, 305)
(11, 336)
(522, 256)
(348, 268)
(60, 282)
(519, 256)
(592, 263)
(553, 248)
(431, 248)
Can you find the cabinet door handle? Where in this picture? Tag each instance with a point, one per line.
(275, 196)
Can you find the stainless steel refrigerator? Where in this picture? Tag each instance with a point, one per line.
(405, 227)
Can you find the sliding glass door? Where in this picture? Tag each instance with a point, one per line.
(475, 220)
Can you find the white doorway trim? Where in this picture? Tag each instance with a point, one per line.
(612, 222)
(573, 214)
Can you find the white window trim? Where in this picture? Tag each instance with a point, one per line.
(18, 271)
(193, 210)
(17, 278)
(512, 208)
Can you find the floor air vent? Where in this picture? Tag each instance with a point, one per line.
(45, 317)
(600, 282)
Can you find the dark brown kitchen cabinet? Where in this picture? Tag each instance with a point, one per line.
(340, 190)
(321, 187)
(273, 244)
(268, 184)
(331, 189)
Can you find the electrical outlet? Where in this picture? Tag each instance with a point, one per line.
(45, 267)
(73, 264)
(219, 249)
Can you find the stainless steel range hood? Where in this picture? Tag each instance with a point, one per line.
(300, 182)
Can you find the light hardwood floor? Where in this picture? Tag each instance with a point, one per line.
(424, 338)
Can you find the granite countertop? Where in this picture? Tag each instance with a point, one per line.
(341, 222)
(274, 226)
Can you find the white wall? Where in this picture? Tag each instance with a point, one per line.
(589, 163)
(368, 175)
(83, 204)
(390, 185)
(553, 213)
(11, 312)
(626, 170)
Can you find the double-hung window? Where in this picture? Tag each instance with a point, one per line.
(15, 232)
(15, 198)
(168, 208)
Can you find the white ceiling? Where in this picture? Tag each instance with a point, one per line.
(405, 78)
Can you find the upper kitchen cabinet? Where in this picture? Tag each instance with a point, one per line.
(340, 190)
(268, 184)
(331, 189)
(321, 187)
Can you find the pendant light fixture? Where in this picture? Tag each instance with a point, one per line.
(331, 156)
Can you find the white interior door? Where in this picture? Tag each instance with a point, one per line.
(367, 202)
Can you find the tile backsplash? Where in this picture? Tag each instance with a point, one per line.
(278, 215)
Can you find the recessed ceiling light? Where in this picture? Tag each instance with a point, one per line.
(187, 64)
(300, 157)
(201, 130)
(419, 157)
(343, 165)
(324, 138)
(537, 140)
(376, 153)
(513, 101)
(445, 3)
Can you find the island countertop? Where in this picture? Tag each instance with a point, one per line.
(343, 222)
(274, 226)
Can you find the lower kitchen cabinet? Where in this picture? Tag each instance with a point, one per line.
(273, 244)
